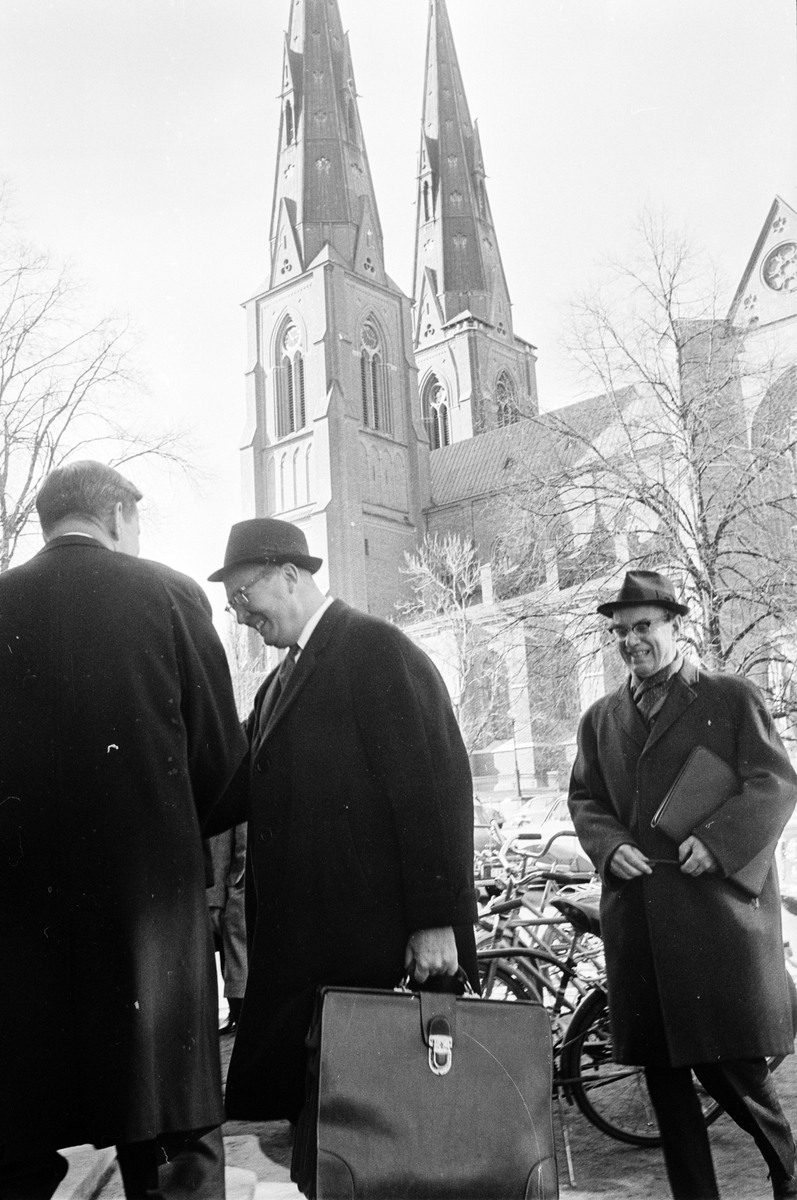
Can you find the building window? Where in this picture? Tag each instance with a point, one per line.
(374, 382)
(506, 400)
(351, 120)
(427, 207)
(436, 413)
(290, 393)
(289, 130)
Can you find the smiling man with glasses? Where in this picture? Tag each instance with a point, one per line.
(359, 800)
(696, 974)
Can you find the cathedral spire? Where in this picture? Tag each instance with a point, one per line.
(323, 193)
(456, 251)
(474, 373)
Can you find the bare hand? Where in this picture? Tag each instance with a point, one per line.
(695, 858)
(431, 952)
(628, 862)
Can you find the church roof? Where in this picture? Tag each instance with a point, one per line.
(486, 465)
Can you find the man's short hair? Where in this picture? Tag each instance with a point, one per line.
(84, 489)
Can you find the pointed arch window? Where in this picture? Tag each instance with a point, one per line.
(290, 392)
(507, 412)
(436, 413)
(427, 198)
(374, 382)
(290, 131)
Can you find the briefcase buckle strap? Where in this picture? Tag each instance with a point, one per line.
(441, 1046)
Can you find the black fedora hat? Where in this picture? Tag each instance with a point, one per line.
(265, 540)
(644, 587)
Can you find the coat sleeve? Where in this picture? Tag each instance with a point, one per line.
(415, 750)
(594, 818)
(232, 809)
(756, 816)
(215, 742)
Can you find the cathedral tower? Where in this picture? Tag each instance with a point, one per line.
(475, 374)
(334, 439)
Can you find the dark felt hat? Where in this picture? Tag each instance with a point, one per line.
(264, 540)
(644, 587)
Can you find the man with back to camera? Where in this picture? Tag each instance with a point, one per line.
(118, 734)
(696, 973)
(359, 797)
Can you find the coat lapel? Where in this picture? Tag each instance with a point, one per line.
(305, 666)
(681, 696)
(628, 716)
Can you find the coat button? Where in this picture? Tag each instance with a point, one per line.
(263, 765)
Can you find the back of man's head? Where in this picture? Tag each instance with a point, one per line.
(86, 490)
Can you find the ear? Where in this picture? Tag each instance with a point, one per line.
(113, 523)
(291, 573)
(677, 623)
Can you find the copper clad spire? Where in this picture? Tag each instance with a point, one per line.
(323, 190)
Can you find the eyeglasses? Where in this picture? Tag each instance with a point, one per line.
(640, 629)
(239, 600)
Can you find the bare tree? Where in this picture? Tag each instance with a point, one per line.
(67, 383)
(446, 581)
(684, 462)
(248, 658)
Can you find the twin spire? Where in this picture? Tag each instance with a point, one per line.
(323, 193)
(324, 201)
(455, 238)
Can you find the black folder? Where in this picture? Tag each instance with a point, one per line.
(703, 784)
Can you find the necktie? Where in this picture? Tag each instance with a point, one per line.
(276, 688)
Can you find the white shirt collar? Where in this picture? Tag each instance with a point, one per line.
(304, 636)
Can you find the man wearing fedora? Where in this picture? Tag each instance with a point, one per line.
(695, 966)
(358, 795)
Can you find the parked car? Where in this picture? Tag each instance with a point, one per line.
(485, 819)
(533, 824)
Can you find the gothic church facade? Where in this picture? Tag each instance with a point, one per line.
(347, 394)
(373, 418)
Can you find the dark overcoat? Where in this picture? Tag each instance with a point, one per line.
(361, 832)
(695, 965)
(118, 732)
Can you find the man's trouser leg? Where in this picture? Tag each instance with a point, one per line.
(685, 1144)
(746, 1090)
(176, 1166)
(35, 1178)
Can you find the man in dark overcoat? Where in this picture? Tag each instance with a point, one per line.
(118, 734)
(696, 973)
(360, 814)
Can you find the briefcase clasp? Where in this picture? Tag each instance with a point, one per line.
(441, 1046)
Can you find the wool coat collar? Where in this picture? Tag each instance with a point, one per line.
(682, 693)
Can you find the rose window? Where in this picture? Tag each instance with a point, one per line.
(780, 268)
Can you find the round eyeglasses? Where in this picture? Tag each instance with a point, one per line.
(239, 601)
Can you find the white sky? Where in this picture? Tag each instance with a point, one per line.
(140, 138)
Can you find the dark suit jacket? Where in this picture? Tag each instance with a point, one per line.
(118, 733)
(696, 967)
(360, 832)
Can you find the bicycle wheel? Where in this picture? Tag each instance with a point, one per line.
(613, 1097)
(502, 980)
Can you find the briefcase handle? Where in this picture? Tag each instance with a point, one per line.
(410, 986)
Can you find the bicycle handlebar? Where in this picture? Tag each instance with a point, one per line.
(533, 836)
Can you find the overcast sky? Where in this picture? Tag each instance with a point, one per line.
(140, 139)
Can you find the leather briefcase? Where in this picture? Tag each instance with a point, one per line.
(426, 1096)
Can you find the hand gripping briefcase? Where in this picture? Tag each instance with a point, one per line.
(426, 1096)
